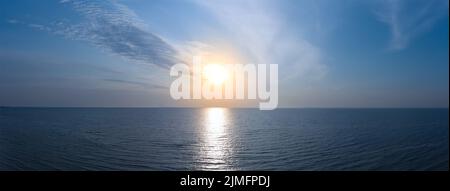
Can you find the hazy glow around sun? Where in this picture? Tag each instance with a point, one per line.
(215, 73)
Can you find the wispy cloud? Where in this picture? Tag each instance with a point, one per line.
(408, 19)
(117, 29)
(40, 27)
(143, 84)
(12, 21)
(260, 31)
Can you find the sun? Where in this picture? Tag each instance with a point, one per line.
(215, 73)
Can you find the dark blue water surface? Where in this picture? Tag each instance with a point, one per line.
(223, 139)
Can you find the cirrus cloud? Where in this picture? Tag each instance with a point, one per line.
(409, 19)
(117, 29)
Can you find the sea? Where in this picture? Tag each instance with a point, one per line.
(223, 139)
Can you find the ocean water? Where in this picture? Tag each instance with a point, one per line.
(223, 139)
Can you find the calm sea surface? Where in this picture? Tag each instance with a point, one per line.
(223, 139)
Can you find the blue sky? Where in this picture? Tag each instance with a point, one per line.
(344, 53)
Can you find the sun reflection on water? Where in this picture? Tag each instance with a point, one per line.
(216, 149)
